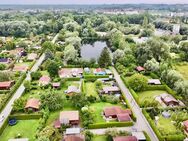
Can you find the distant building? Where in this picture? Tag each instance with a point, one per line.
(32, 104)
(6, 85)
(154, 82)
(69, 117)
(44, 80)
(176, 29)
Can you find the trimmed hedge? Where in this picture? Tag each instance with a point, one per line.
(179, 137)
(33, 63)
(110, 124)
(25, 116)
(124, 81)
(95, 76)
(134, 94)
(155, 87)
(12, 91)
(4, 91)
(146, 135)
(4, 125)
(83, 88)
(153, 75)
(72, 79)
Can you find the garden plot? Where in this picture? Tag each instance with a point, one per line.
(24, 129)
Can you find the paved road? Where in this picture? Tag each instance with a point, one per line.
(141, 124)
(7, 110)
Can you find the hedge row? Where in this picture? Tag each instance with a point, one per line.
(25, 116)
(110, 124)
(33, 63)
(95, 76)
(72, 79)
(179, 137)
(134, 94)
(4, 91)
(129, 106)
(83, 88)
(155, 87)
(124, 81)
(4, 125)
(146, 135)
(153, 75)
(12, 91)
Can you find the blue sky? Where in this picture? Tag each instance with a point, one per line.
(91, 1)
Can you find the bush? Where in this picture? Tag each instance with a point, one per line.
(36, 75)
(110, 124)
(138, 82)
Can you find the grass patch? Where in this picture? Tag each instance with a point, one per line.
(91, 90)
(183, 70)
(99, 138)
(166, 126)
(97, 108)
(27, 129)
(149, 95)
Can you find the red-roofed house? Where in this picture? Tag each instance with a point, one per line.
(185, 124)
(57, 124)
(44, 80)
(140, 69)
(169, 100)
(123, 117)
(114, 111)
(32, 104)
(111, 90)
(31, 56)
(125, 138)
(69, 117)
(20, 68)
(56, 85)
(6, 85)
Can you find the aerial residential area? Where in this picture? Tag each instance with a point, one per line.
(104, 72)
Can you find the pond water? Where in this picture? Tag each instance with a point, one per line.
(89, 51)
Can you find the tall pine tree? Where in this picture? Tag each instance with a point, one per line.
(105, 58)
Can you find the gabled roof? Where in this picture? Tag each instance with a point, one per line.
(72, 89)
(154, 81)
(108, 89)
(5, 84)
(115, 110)
(168, 98)
(70, 115)
(32, 56)
(139, 68)
(20, 68)
(123, 117)
(33, 103)
(71, 131)
(56, 84)
(45, 80)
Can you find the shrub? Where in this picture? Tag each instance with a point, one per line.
(138, 82)
(36, 75)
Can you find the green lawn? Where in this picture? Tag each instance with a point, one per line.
(149, 94)
(165, 126)
(99, 138)
(97, 108)
(183, 70)
(90, 89)
(27, 129)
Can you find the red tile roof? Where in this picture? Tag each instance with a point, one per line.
(33, 103)
(20, 68)
(123, 117)
(139, 68)
(112, 111)
(56, 84)
(69, 115)
(44, 80)
(125, 138)
(5, 84)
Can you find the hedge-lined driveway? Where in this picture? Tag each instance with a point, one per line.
(141, 123)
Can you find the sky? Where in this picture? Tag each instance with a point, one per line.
(93, 1)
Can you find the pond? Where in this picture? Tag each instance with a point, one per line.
(89, 51)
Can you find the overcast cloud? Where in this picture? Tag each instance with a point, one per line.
(92, 1)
